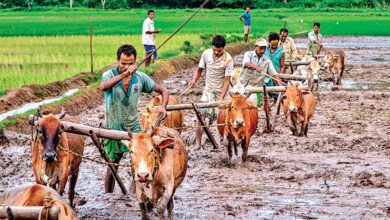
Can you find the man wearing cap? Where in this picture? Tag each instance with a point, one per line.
(219, 68)
(256, 67)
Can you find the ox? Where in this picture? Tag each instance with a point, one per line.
(159, 165)
(51, 160)
(150, 114)
(298, 107)
(34, 195)
(335, 63)
(240, 123)
(311, 71)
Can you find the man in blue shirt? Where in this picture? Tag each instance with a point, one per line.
(245, 18)
(123, 87)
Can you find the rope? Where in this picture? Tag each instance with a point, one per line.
(47, 202)
(91, 159)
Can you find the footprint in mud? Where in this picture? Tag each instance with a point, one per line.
(378, 180)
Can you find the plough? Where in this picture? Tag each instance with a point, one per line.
(97, 132)
(28, 212)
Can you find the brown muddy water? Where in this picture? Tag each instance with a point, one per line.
(340, 171)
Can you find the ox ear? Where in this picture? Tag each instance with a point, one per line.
(250, 106)
(164, 142)
(224, 106)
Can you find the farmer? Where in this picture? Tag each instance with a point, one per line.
(219, 68)
(245, 18)
(256, 65)
(314, 44)
(122, 88)
(275, 53)
(148, 37)
(288, 45)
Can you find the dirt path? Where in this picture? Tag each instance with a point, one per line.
(341, 171)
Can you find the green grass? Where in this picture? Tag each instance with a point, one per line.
(58, 22)
(44, 46)
(26, 60)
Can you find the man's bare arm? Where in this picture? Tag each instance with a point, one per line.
(165, 97)
(196, 76)
(108, 84)
(282, 67)
(225, 87)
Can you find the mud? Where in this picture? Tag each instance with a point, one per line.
(340, 171)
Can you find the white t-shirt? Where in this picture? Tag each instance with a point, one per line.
(216, 71)
(148, 39)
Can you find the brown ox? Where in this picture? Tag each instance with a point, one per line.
(52, 162)
(149, 115)
(335, 62)
(34, 195)
(240, 123)
(159, 165)
(298, 107)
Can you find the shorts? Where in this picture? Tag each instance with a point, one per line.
(247, 29)
(151, 48)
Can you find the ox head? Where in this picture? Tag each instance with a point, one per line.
(50, 129)
(144, 152)
(236, 109)
(329, 59)
(314, 67)
(293, 98)
(150, 114)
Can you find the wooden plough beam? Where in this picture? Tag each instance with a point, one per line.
(27, 212)
(291, 77)
(217, 103)
(296, 63)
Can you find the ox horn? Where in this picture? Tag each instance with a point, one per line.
(231, 84)
(62, 114)
(247, 83)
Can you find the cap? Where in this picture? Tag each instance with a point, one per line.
(261, 42)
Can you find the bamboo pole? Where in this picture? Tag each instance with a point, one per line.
(27, 212)
(296, 63)
(104, 155)
(90, 46)
(266, 109)
(75, 128)
(205, 129)
(291, 77)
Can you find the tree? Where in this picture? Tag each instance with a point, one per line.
(29, 3)
(71, 3)
(103, 4)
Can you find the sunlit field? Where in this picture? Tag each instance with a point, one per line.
(26, 60)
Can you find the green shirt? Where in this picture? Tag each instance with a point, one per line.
(275, 57)
(121, 109)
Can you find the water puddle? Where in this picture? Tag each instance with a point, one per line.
(352, 85)
(35, 105)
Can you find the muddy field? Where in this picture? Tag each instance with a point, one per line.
(340, 171)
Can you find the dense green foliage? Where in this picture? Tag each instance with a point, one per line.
(123, 22)
(115, 4)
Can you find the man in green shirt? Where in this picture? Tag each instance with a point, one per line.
(122, 88)
(314, 44)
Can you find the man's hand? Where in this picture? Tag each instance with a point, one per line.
(131, 70)
(259, 70)
(192, 83)
(163, 111)
(158, 31)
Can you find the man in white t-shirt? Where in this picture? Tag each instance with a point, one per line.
(148, 37)
(219, 68)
